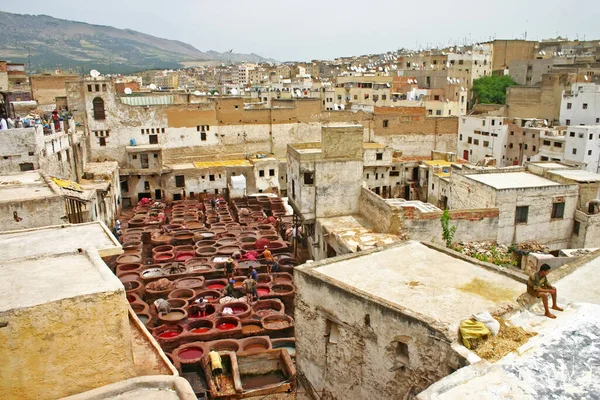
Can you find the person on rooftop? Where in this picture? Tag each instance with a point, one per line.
(538, 286)
(269, 258)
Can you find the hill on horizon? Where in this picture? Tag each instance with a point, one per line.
(57, 43)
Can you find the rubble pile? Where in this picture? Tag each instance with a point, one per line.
(531, 247)
(492, 252)
(580, 252)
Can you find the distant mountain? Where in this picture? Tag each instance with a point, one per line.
(57, 43)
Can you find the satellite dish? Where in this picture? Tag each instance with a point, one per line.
(449, 79)
(415, 81)
(216, 93)
(94, 73)
(128, 90)
(585, 77)
(152, 86)
(342, 107)
(234, 92)
(336, 107)
(462, 89)
(197, 93)
(447, 65)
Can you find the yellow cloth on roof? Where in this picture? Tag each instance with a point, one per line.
(470, 329)
(215, 360)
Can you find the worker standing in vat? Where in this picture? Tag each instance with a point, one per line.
(229, 267)
(252, 272)
(269, 258)
(216, 367)
(250, 288)
(538, 286)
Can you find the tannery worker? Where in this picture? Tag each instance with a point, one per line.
(216, 367)
(538, 286)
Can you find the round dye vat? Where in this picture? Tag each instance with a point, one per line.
(216, 286)
(163, 256)
(263, 292)
(237, 310)
(191, 353)
(250, 328)
(185, 256)
(130, 299)
(256, 347)
(200, 330)
(168, 334)
(173, 316)
(226, 326)
(238, 284)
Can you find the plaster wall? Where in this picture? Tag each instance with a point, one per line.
(337, 187)
(364, 357)
(589, 231)
(34, 213)
(49, 353)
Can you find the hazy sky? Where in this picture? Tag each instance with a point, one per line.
(309, 29)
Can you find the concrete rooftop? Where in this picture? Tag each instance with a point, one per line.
(578, 175)
(582, 284)
(44, 265)
(512, 180)
(430, 283)
(24, 186)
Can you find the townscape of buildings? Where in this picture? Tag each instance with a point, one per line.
(350, 165)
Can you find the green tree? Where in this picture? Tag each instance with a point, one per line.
(492, 89)
(447, 230)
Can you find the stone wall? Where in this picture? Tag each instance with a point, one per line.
(337, 187)
(32, 213)
(378, 350)
(46, 88)
(589, 231)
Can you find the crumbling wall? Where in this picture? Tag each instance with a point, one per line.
(374, 350)
(336, 189)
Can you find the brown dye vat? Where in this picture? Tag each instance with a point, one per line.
(133, 252)
(282, 277)
(177, 302)
(129, 259)
(162, 249)
(224, 345)
(183, 237)
(178, 221)
(251, 328)
(133, 244)
(163, 257)
(129, 276)
(276, 322)
(228, 241)
(189, 283)
(132, 237)
(251, 382)
(282, 289)
(181, 248)
(195, 225)
(255, 345)
(271, 237)
(248, 264)
(176, 315)
(206, 243)
(144, 317)
(264, 278)
(139, 307)
(264, 308)
(210, 295)
(134, 287)
(206, 251)
(186, 294)
(172, 227)
(247, 240)
(248, 246)
(158, 240)
(227, 250)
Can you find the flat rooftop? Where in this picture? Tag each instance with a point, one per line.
(373, 146)
(512, 180)
(355, 231)
(578, 175)
(418, 204)
(550, 165)
(428, 282)
(44, 265)
(583, 283)
(49, 241)
(223, 163)
(24, 186)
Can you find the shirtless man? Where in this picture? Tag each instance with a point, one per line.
(538, 286)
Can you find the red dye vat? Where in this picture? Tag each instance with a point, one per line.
(130, 299)
(200, 330)
(168, 334)
(215, 286)
(163, 256)
(191, 353)
(225, 326)
(184, 256)
(238, 310)
(262, 291)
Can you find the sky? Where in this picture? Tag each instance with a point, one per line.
(311, 29)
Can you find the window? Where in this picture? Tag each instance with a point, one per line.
(510, 145)
(525, 146)
(153, 139)
(469, 140)
(598, 120)
(355, 97)
(386, 123)
(591, 137)
(211, 177)
(179, 181)
(580, 136)
(568, 122)
(124, 186)
(155, 155)
(569, 105)
(26, 166)
(384, 97)
(574, 151)
(521, 214)
(146, 185)
(309, 178)
(394, 173)
(572, 134)
(134, 156)
(332, 331)
(546, 143)
(203, 136)
(102, 141)
(460, 137)
(430, 112)
(534, 148)
(512, 133)
(585, 106)
(589, 152)
(98, 105)
(576, 226)
(557, 144)
(476, 142)
(486, 144)
(261, 172)
(271, 172)
(379, 156)
(438, 112)
(89, 88)
(558, 210)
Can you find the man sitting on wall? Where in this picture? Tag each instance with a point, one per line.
(538, 286)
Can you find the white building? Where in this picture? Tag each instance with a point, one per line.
(480, 137)
(583, 146)
(581, 105)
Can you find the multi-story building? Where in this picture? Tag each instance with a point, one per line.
(582, 147)
(581, 105)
